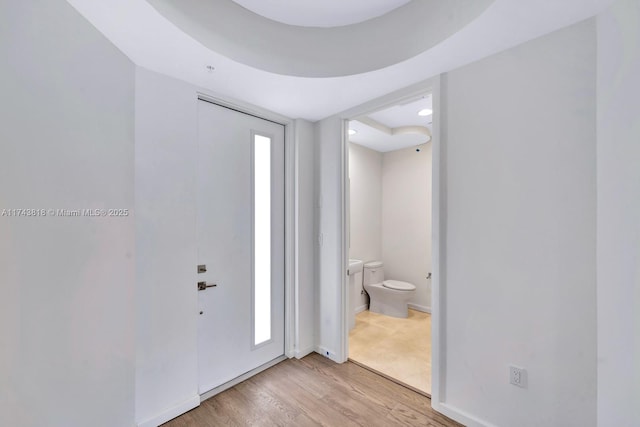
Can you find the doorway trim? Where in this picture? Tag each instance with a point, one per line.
(290, 221)
(438, 236)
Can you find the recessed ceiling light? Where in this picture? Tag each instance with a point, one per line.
(425, 112)
(352, 131)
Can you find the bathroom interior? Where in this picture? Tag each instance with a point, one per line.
(389, 191)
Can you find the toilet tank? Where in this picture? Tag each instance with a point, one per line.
(373, 272)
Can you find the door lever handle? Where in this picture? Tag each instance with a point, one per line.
(203, 286)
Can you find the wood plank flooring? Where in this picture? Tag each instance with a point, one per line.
(315, 391)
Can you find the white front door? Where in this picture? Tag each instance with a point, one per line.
(241, 242)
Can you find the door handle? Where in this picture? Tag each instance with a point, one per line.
(203, 286)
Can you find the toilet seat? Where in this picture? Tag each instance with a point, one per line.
(398, 285)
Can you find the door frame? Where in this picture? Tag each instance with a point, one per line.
(291, 235)
(438, 227)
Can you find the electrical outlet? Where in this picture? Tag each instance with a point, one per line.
(518, 376)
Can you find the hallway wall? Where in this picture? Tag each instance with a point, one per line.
(618, 213)
(305, 292)
(167, 307)
(67, 355)
(519, 280)
(330, 257)
(165, 197)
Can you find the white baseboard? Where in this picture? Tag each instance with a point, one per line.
(459, 415)
(328, 354)
(299, 354)
(172, 412)
(362, 308)
(422, 308)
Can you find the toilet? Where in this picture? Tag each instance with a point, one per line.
(388, 297)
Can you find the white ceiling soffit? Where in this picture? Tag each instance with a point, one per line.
(246, 37)
(153, 42)
(395, 127)
(380, 140)
(320, 13)
(406, 114)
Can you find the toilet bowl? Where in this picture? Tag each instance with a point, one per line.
(389, 297)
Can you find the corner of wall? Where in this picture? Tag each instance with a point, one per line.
(618, 210)
(305, 288)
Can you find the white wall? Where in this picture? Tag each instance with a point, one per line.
(66, 283)
(365, 209)
(519, 153)
(329, 222)
(390, 215)
(618, 215)
(166, 308)
(307, 239)
(365, 191)
(166, 326)
(406, 220)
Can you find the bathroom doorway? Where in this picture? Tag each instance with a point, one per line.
(389, 209)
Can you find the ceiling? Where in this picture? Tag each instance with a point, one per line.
(154, 42)
(394, 128)
(326, 13)
(406, 114)
(237, 33)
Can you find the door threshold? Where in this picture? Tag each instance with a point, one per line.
(209, 394)
(390, 378)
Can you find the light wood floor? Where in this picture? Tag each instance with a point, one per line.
(315, 391)
(397, 348)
